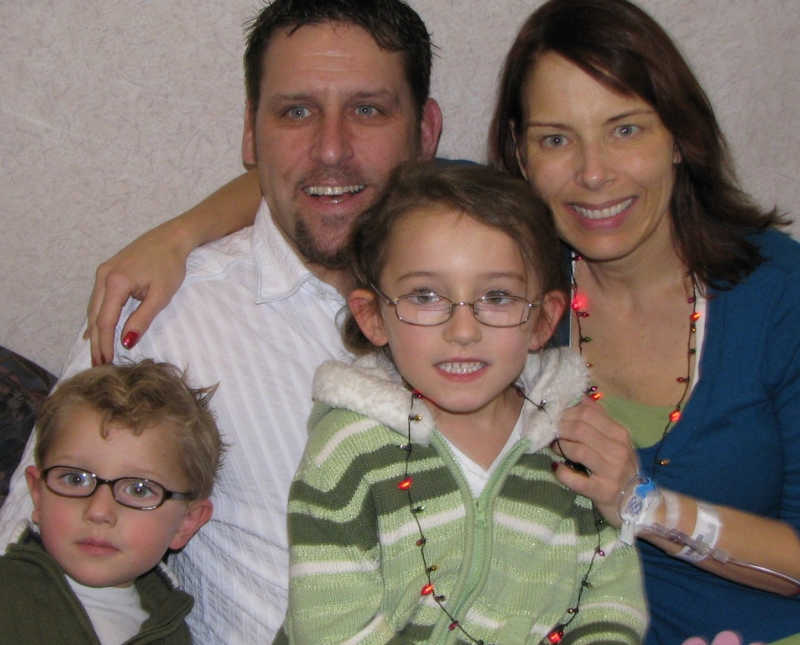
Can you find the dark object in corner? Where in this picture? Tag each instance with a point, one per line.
(23, 387)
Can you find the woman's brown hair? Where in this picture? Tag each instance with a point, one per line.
(623, 48)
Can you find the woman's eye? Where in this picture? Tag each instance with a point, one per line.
(554, 141)
(627, 130)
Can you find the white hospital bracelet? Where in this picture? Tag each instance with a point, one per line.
(637, 504)
(707, 528)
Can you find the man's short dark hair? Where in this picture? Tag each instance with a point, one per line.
(393, 25)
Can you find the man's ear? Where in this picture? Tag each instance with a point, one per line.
(249, 137)
(430, 129)
(365, 307)
(197, 514)
(550, 311)
(33, 477)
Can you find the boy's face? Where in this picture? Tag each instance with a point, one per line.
(97, 541)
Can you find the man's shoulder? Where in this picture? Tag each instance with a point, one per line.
(216, 258)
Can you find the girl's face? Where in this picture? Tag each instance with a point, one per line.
(462, 365)
(603, 161)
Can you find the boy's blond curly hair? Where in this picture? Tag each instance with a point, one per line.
(140, 396)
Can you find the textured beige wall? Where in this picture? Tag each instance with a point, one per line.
(117, 114)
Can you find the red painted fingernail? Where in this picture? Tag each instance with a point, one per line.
(554, 466)
(130, 339)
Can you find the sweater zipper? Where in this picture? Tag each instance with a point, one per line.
(479, 512)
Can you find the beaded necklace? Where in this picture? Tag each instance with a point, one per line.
(556, 634)
(579, 308)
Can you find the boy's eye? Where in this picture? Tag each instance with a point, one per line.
(76, 479)
(139, 489)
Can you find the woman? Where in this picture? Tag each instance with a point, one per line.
(598, 110)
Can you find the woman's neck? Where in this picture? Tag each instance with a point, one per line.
(638, 277)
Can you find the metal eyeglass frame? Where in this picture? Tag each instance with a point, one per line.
(393, 302)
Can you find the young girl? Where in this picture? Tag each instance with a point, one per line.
(425, 509)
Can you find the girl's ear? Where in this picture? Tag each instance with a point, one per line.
(551, 310)
(365, 307)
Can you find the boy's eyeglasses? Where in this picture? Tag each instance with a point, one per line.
(133, 492)
(428, 308)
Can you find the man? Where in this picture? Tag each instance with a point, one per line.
(337, 97)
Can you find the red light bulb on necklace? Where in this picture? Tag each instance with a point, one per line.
(674, 416)
(406, 483)
(426, 590)
(556, 635)
(579, 301)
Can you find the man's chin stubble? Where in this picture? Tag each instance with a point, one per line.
(336, 259)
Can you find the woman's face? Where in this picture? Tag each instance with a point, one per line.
(603, 161)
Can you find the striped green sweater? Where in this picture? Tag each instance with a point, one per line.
(508, 563)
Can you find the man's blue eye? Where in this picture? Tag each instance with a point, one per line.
(298, 112)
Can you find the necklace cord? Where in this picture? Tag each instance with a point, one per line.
(556, 634)
(690, 543)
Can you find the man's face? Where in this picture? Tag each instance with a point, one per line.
(336, 115)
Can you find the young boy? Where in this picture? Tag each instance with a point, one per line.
(125, 463)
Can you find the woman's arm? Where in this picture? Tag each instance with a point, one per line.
(153, 266)
(589, 436)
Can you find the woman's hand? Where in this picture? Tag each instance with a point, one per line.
(152, 267)
(588, 436)
(149, 269)
(723, 638)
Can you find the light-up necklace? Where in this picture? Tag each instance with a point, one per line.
(556, 634)
(579, 306)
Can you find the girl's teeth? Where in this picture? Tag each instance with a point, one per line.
(460, 368)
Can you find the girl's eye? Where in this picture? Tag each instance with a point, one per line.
(497, 298)
(424, 298)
